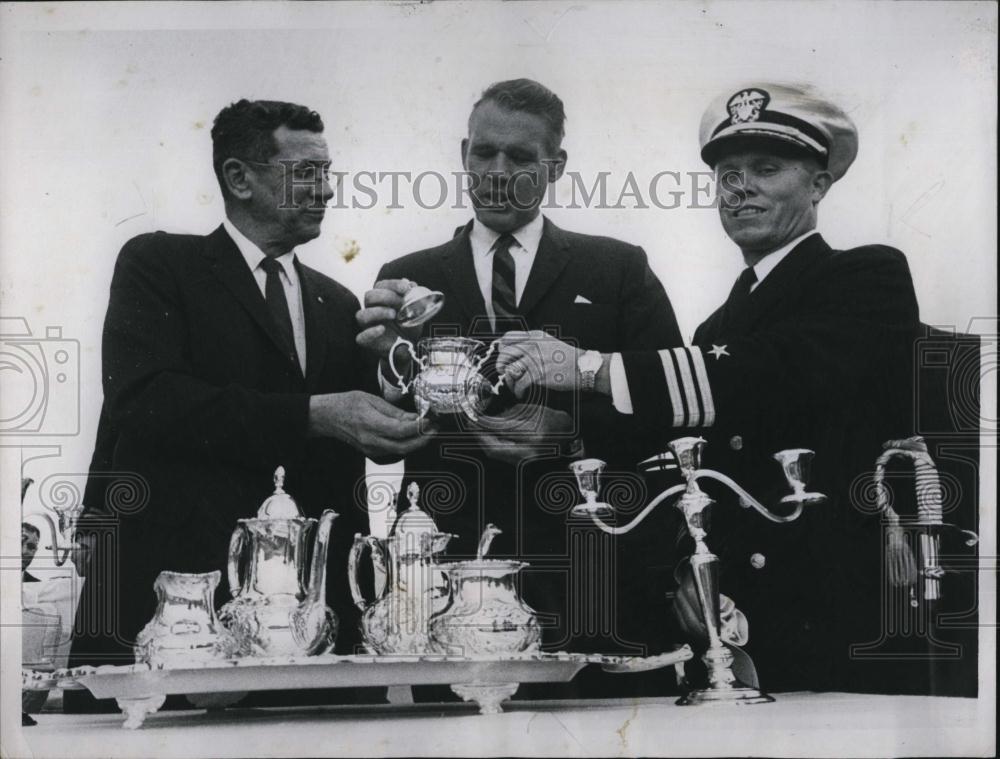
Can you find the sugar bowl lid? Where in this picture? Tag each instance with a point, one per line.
(419, 305)
(279, 505)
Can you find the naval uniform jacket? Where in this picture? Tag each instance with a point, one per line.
(601, 294)
(817, 357)
(201, 404)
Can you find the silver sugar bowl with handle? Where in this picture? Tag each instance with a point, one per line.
(449, 380)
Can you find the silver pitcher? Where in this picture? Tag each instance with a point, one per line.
(279, 604)
(185, 628)
(449, 379)
(409, 585)
(484, 614)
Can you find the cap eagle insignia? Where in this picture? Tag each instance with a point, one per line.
(746, 105)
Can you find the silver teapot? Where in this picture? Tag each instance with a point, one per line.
(408, 583)
(484, 614)
(279, 604)
(449, 380)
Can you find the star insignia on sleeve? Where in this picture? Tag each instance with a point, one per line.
(718, 351)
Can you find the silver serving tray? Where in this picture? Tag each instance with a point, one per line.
(489, 680)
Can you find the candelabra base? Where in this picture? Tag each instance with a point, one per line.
(735, 694)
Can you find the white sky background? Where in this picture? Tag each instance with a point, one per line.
(106, 109)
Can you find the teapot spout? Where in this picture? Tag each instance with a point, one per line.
(313, 623)
(486, 540)
(317, 573)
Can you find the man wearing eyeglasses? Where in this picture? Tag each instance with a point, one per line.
(225, 357)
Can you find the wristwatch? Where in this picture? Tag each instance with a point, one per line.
(588, 365)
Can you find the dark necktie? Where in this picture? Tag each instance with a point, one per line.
(504, 292)
(738, 297)
(277, 304)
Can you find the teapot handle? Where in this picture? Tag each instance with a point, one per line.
(403, 385)
(353, 559)
(236, 543)
(495, 388)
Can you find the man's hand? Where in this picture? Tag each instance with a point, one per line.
(535, 358)
(687, 607)
(522, 431)
(691, 618)
(377, 321)
(372, 425)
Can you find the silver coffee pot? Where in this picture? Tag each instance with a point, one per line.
(409, 586)
(279, 604)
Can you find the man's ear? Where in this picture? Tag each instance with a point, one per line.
(235, 176)
(821, 182)
(465, 148)
(556, 166)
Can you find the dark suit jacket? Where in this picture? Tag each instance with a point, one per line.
(201, 405)
(464, 490)
(819, 357)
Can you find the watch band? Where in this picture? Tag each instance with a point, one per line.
(588, 376)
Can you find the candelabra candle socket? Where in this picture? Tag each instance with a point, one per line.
(588, 481)
(796, 463)
(687, 452)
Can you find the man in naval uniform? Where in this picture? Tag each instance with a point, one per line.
(810, 350)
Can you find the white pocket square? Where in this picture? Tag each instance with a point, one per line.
(581, 299)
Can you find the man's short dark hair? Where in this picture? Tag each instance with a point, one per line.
(31, 528)
(245, 130)
(531, 97)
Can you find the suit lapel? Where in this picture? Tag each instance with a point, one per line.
(230, 267)
(782, 280)
(317, 336)
(552, 256)
(460, 271)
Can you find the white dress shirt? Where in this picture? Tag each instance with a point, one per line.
(620, 396)
(289, 278)
(482, 240)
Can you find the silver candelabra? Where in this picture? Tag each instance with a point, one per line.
(693, 503)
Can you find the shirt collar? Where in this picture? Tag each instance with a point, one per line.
(252, 254)
(482, 238)
(766, 265)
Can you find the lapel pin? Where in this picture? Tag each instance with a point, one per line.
(319, 298)
(719, 351)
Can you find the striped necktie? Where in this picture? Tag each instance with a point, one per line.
(504, 292)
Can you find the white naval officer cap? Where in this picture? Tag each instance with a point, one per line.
(794, 117)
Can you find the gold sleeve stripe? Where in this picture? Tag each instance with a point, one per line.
(673, 388)
(708, 405)
(690, 394)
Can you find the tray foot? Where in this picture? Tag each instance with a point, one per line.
(137, 709)
(489, 697)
